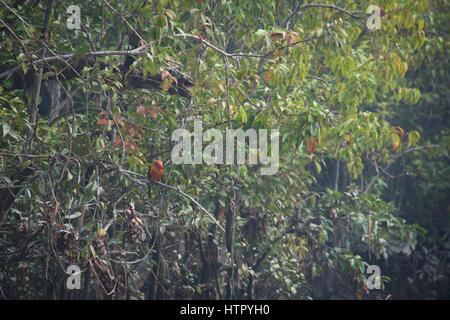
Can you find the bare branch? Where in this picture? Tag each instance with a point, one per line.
(146, 181)
(234, 55)
(137, 51)
(318, 5)
(397, 156)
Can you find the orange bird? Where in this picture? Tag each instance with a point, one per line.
(156, 171)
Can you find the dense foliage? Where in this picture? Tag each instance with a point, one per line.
(363, 164)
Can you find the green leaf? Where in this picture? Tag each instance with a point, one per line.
(260, 33)
(73, 215)
(24, 68)
(6, 128)
(94, 254)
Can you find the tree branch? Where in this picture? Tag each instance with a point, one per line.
(234, 55)
(137, 51)
(397, 156)
(147, 181)
(318, 5)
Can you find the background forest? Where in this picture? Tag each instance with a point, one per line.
(89, 99)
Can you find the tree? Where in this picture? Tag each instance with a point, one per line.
(86, 111)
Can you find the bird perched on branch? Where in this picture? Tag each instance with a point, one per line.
(156, 171)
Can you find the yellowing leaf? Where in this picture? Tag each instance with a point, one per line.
(92, 250)
(165, 85)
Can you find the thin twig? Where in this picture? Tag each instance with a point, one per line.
(147, 181)
(121, 17)
(137, 51)
(234, 55)
(397, 156)
(319, 5)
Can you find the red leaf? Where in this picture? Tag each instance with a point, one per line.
(222, 214)
(275, 35)
(117, 142)
(130, 145)
(312, 145)
(396, 144)
(199, 36)
(102, 121)
(132, 132)
(141, 110)
(165, 74)
(400, 132)
(153, 113)
(293, 38)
